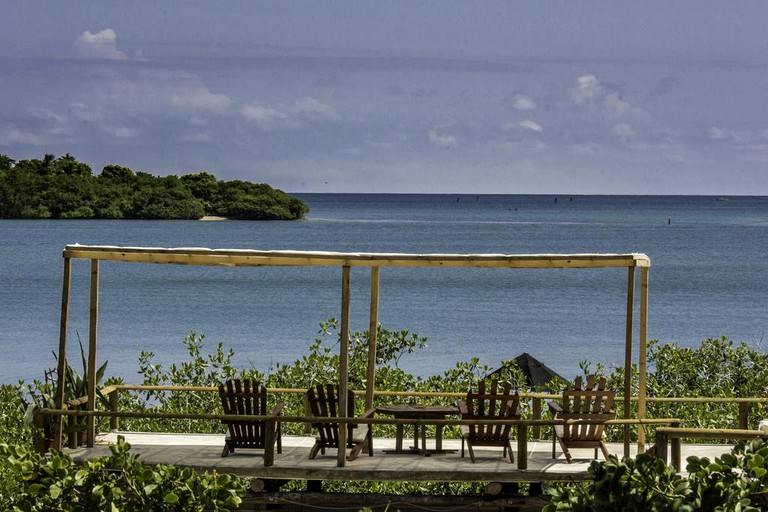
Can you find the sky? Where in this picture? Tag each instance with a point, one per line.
(432, 96)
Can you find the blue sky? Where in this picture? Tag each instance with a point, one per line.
(398, 96)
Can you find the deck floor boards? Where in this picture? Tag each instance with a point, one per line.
(203, 452)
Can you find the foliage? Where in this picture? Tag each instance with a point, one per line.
(736, 481)
(116, 482)
(204, 370)
(13, 428)
(63, 188)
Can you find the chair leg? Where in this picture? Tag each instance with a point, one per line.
(226, 450)
(471, 452)
(313, 452)
(604, 449)
(462, 447)
(508, 448)
(279, 440)
(567, 454)
(554, 442)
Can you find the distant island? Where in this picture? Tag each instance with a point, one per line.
(63, 188)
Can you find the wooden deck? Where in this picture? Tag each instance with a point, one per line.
(203, 452)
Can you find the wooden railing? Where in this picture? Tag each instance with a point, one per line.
(535, 423)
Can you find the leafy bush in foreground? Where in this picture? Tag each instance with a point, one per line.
(117, 482)
(736, 481)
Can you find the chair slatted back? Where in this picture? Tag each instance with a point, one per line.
(493, 404)
(324, 403)
(590, 403)
(245, 397)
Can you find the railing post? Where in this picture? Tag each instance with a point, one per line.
(661, 445)
(537, 416)
(114, 421)
(744, 415)
(307, 413)
(522, 446)
(39, 435)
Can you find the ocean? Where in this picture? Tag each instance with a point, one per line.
(708, 278)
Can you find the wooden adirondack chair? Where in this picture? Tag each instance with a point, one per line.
(248, 397)
(494, 404)
(589, 408)
(324, 403)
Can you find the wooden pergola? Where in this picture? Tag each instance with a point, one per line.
(375, 261)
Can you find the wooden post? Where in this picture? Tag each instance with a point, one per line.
(114, 403)
(522, 446)
(346, 289)
(373, 328)
(537, 416)
(628, 355)
(642, 367)
(743, 415)
(93, 325)
(661, 446)
(61, 369)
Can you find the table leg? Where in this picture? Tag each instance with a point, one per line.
(423, 439)
(415, 436)
(399, 438)
(438, 437)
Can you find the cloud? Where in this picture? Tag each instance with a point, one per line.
(523, 102)
(442, 140)
(13, 135)
(201, 98)
(514, 147)
(623, 130)
(596, 98)
(530, 125)
(314, 108)
(101, 45)
(587, 90)
(106, 120)
(263, 115)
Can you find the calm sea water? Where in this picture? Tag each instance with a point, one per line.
(709, 277)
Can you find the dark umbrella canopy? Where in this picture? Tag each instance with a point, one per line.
(536, 373)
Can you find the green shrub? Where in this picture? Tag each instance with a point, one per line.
(736, 481)
(117, 482)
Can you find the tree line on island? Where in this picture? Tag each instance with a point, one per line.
(64, 188)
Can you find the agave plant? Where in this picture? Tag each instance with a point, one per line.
(76, 389)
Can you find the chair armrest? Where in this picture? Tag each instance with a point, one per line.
(278, 409)
(369, 413)
(554, 407)
(462, 407)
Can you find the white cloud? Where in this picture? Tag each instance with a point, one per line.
(615, 105)
(587, 89)
(584, 149)
(442, 140)
(101, 45)
(262, 114)
(523, 102)
(513, 147)
(314, 108)
(530, 125)
(623, 130)
(16, 136)
(717, 133)
(201, 98)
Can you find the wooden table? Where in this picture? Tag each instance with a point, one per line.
(418, 412)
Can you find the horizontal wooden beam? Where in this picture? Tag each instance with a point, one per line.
(253, 258)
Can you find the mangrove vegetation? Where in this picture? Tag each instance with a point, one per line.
(64, 188)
